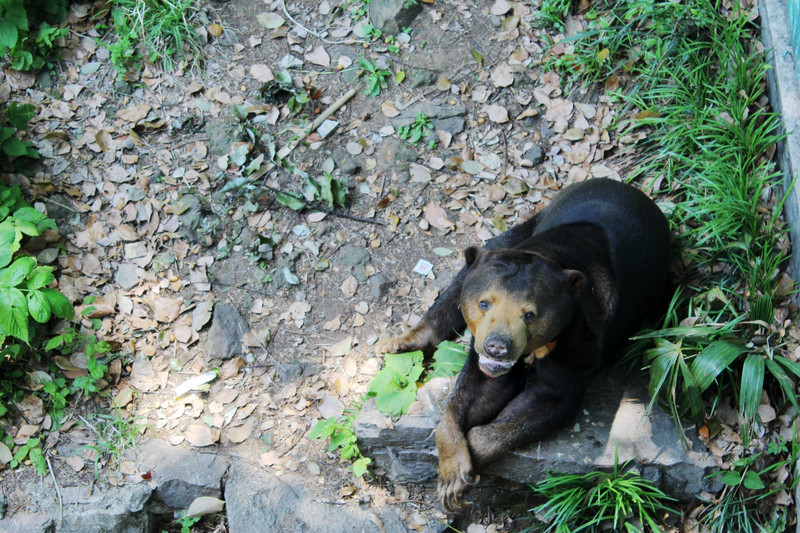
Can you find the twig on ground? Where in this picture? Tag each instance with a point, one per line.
(58, 493)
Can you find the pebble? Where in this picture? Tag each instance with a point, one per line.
(354, 148)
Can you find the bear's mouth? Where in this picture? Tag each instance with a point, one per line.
(492, 367)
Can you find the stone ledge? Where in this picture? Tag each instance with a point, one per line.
(612, 418)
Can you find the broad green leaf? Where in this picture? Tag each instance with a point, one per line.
(751, 386)
(292, 202)
(26, 227)
(59, 304)
(712, 360)
(691, 393)
(753, 481)
(17, 271)
(13, 314)
(731, 477)
(38, 306)
(396, 402)
(40, 277)
(30, 214)
(448, 360)
(664, 357)
(8, 33)
(408, 364)
(791, 366)
(15, 147)
(360, 466)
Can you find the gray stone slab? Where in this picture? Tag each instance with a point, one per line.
(612, 420)
(258, 501)
(183, 475)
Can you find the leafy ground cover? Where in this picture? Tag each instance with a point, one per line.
(178, 186)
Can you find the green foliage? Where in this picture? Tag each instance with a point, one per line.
(690, 363)
(186, 522)
(751, 482)
(326, 189)
(635, 35)
(448, 359)
(160, 32)
(26, 35)
(620, 499)
(395, 389)
(339, 429)
(375, 77)
(395, 386)
(14, 152)
(553, 13)
(23, 284)
(113, 434)
(415, 131)
(32, 451)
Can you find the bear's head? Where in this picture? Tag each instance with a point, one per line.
(515, 302)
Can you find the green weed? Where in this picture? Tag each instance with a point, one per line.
(160, 31)
(375, 77)
(27, 36)
(750, 484)
(552, 13)
(620, 500)
(415, 131)
(114, 434)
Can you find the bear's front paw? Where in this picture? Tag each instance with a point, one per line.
(414, 339)
(455, 475)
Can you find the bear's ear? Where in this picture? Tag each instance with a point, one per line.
(576, 279)
(471, 255)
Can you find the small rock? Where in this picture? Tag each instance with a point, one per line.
(289, 61)
(391, 16)
(225, 334)
(354, 148)
(355, 258)
(379, 285)
(535, 155)
(327, 127)
(345, 161)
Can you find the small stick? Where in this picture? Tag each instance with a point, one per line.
(284, 152)
(58, 492)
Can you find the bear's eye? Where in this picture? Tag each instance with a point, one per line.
(484, 305)
(529, 317)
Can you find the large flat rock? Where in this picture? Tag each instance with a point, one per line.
(613, 421)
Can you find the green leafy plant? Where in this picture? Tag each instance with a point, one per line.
(395, 386)
(114, 434)
(620, 499)
(415, 131)
(27, 36)
(327, 189)
(32, 451)
(161, 32)
(186, 522)
(395, 389)
(14, 152)
(375, 77)
(553, 13)
(748, 486)
(339, 429)
(23, 284)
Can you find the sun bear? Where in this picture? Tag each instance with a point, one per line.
(548, 302)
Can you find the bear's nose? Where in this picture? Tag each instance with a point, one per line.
(497, 346)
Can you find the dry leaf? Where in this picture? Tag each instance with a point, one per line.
(134, 113)
(497, 113)
(502, 76)
(330, 406)
(167, 309)
(318, 56)
(201, 435)
(76, 462)
(204, 505)
(261, 73)
(341, 348)
(418, 173)
(437, 217)
(240, 433)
